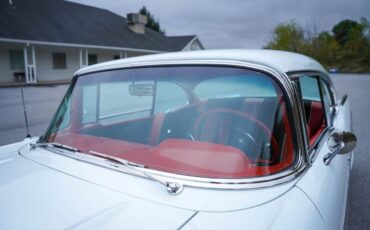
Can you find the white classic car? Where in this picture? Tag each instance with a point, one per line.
(228, 139)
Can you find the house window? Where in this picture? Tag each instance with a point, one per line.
(16, 58)
(92, 59)
(194, 46)
(59, 61)
(116, 57)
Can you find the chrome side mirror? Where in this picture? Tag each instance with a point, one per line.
(340, 142)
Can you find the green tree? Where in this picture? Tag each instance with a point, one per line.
(324, 48)
(152, 23)
(366, 24)
(347, 30)
(346, 48)
(288, 36)
(353, 36)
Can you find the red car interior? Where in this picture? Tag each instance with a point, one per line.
(156, 128)
(162, 142)
(315, 120)
(207, 133)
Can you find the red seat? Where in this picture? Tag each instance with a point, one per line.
(156, 128)
(316, 121)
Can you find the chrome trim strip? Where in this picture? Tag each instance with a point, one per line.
(302, 119)
(320, 141)
(298, 167)
(202, 182)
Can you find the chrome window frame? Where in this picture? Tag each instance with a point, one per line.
(311, 151)
(287, 86)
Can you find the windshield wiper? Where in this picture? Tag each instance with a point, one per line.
(173, 188)
(53, 145)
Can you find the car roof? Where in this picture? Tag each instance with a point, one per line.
(281, 61)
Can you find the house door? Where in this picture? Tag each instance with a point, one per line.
(30, 65)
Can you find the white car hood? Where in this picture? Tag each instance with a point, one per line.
(33, 196)
(40, 189)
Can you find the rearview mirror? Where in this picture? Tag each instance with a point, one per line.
(340, 142)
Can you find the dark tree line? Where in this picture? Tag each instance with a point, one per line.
(152, 22)
(346, 46)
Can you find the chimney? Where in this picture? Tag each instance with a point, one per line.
(136, 22)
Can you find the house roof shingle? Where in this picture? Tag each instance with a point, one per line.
(68, 22)
(181, 41)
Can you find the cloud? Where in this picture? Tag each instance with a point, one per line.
(239, 23)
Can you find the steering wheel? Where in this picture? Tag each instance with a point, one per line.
(240, 138)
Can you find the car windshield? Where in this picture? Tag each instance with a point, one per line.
(201, 121)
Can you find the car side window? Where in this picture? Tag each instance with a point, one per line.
(327, 100)
(314, 108)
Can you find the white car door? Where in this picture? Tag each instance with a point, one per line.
(325, 185)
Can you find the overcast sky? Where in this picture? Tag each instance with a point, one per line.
(238, 23)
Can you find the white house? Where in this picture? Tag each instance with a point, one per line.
(47, 41)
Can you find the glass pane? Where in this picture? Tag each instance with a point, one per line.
(313, 106)
(89, 103)
(92, 59)
(16, 58)
(310, 88)
(117, 103)
(169, 96)
(62, 118)
(59, 61)
(206, 121)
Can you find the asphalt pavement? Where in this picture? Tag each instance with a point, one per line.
(358, 89)
(42, 102)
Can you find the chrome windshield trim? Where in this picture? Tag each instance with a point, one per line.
(185, 181)
(234, 184)
(287, 86)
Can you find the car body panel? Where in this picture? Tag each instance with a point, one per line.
(38, 188)
(281, 213)
(153, 191)
(332, 179)
(33, 196)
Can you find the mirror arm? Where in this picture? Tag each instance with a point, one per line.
(343, 100)
(329, 156)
